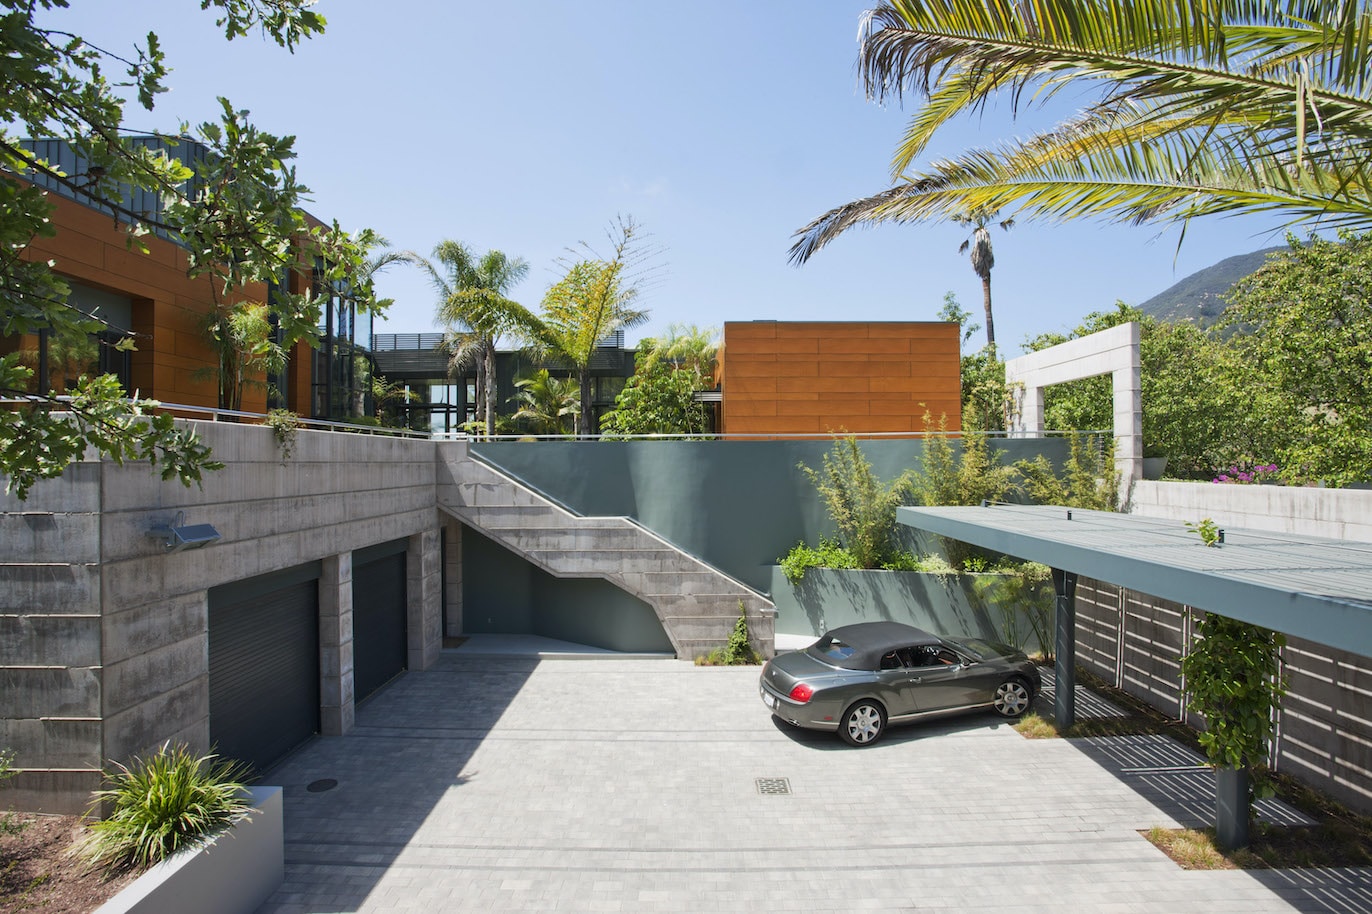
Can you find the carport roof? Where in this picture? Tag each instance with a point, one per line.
(1306, 586)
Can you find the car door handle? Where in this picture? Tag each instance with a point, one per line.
(914, 679)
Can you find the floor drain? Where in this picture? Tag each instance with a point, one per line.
(322, 785)
(774, 787)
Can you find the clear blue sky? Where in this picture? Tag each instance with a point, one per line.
(721, 126)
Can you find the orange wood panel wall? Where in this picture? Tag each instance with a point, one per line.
(781, 377)
(169, 308)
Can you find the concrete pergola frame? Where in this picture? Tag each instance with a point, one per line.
(1114, 352)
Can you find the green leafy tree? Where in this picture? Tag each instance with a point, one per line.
(687, 348)
(1191, 109)
(474, 307)
(967, 472)
(596, 297)
(389, 399)
(235, 210)
(1194, 412)
(245, 347)
(985, 399)
(1301, 343)
(545, 403)
(660, 397)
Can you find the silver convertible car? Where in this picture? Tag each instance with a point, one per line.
(860, 678)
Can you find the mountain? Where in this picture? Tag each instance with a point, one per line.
(1199, 297)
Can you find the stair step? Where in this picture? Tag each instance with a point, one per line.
(564, 539)
(622, 561)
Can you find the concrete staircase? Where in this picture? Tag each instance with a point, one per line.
(696, 603)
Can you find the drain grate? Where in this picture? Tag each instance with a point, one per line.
(322, 785)
(774, 787)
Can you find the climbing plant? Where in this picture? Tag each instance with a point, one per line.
(1233, 680)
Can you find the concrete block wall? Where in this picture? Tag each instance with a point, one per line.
(121, 626)
(50, 637)
(1334, 513)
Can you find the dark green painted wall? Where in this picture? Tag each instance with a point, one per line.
(952, 604)
(501, 592)
(738, 505)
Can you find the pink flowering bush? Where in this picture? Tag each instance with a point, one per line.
(1239, 475)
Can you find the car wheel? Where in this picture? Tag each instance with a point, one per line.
(1012, 698)
(863, 723)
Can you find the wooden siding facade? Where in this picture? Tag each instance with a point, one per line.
(780, 377)
(168, 308)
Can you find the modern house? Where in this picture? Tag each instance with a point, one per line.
(775, 378)
(149, 298)
(442, 401)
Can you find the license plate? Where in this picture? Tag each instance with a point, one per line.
(769, 700)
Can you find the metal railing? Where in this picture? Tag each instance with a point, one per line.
(764, 436)
(215, 414)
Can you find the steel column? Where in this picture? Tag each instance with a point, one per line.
(1065, 677)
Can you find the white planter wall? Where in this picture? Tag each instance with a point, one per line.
(232, 874)
(1334, 513)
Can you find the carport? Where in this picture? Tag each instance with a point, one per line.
(1308, 587)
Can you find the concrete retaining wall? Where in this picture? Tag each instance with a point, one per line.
(103, 635)
(1335, 513)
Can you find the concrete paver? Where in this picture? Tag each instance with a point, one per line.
(497, 783)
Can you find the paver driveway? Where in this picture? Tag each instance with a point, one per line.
(506, 783)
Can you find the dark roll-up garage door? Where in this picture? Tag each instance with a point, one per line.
(264, 666)
(379, 644)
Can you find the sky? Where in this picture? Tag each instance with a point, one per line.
(720, 126)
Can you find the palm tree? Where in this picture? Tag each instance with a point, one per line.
(689, 348)
(378, 256)
(545, 402)
(1226, 106)
(983, 258)
(592, 301)
(473, 305)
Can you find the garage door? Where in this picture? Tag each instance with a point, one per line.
(379, 644)
(264, 666)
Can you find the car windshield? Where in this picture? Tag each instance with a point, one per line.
(979, 649)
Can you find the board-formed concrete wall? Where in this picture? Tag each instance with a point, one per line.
(1335, 513)
(103, 635)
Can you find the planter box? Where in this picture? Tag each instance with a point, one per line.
(947, 604)
(233, 873)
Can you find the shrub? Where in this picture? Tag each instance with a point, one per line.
(10, 824)
(1090, 479)
(860, 505)
(828, 554)
(284, 425)
(739, 650)
(162, 804)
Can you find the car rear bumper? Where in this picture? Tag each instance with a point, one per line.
(793, 712)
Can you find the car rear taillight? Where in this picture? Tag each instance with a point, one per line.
(802, 692)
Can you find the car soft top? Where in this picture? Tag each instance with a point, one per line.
(869, 640)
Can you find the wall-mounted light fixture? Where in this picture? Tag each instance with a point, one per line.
(178, 535)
